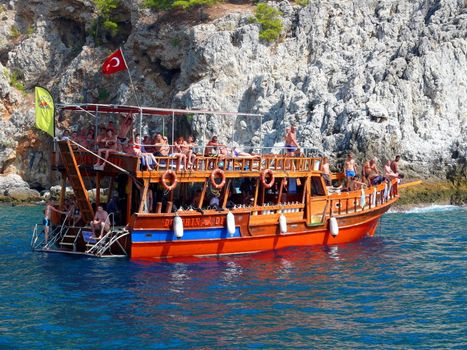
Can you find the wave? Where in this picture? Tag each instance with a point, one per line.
(427, 209)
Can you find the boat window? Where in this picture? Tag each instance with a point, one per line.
(317, 188)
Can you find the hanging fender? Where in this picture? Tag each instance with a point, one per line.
(283, 223)
(333, 226)
(230, 223)
(178, 226)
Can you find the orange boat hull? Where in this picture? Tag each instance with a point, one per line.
(249, 244)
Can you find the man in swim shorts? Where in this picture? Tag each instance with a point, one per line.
(291, 144)
(350, 169)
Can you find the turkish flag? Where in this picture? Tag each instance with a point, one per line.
(114, 63)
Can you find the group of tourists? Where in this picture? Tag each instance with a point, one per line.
(370, 174)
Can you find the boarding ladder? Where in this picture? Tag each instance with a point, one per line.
(76, 181)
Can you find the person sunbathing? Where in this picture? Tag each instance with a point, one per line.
(110, 142)
(147, 157)
(100, 224)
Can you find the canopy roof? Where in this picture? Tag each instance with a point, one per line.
(102, 108)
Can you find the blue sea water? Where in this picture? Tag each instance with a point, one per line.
(402, 289)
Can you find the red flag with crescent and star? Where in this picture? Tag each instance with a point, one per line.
(114, 63)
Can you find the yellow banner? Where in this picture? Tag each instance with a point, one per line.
(45, 110)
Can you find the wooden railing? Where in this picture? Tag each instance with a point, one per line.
(352, 202)
(229, 164)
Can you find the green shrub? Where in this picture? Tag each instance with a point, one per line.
(30, 30)
(105, 7)
(199, 4)
(302, 3)
(175, 42)
(104, 10)
(103, 95)
(269, 19)
(158, 4)
(14, 32)
(14, 78)
(186, 4)
(110, 26)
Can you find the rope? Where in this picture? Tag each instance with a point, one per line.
(99, 157)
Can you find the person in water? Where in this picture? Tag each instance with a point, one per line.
(100, 223)
(47, 216)
(291, 144)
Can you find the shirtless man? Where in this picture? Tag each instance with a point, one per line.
(395, 166)
(125, 127)
(47, 214)
(100, 223)
(159, 146)
(326, 171)
(110, 143)
(291, 144)
(212, 148)
(374, 177)
(350, 169)
(388, 172)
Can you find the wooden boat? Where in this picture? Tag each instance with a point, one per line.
(290, 204)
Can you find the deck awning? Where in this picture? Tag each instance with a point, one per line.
(103, 108)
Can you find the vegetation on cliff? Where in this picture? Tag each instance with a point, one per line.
(269, 19)
(104, 9)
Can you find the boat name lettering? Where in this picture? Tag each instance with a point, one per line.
(198, 222)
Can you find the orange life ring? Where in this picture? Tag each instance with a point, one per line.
(264, 174)
(217, 173)
(169, 176)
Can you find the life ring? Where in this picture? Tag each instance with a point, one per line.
(215, 174)
(264, 174)
(169, 176)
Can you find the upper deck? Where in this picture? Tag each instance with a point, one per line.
(202, 167)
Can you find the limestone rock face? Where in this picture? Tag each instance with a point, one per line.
(12, 186)
(378, 78)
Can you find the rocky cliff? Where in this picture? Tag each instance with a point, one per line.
(376, 77)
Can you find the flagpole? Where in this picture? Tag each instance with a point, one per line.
(136, 96)
(131, 80)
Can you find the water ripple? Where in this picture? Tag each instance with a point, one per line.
(403, 288)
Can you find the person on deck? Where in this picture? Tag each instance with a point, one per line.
(160, 149)
(110, 142)
(291, 144)
(212, 147)
(100, 224)
(65, 135)
(326, 171)
(125, 127)
(365, 171)
(175, 152)
(388, 172)
(47, 216)
(350, 169)
(101, 137)
(395, 166)
(90, 142)
(111, 126)
(374, 177)
(148, 158)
